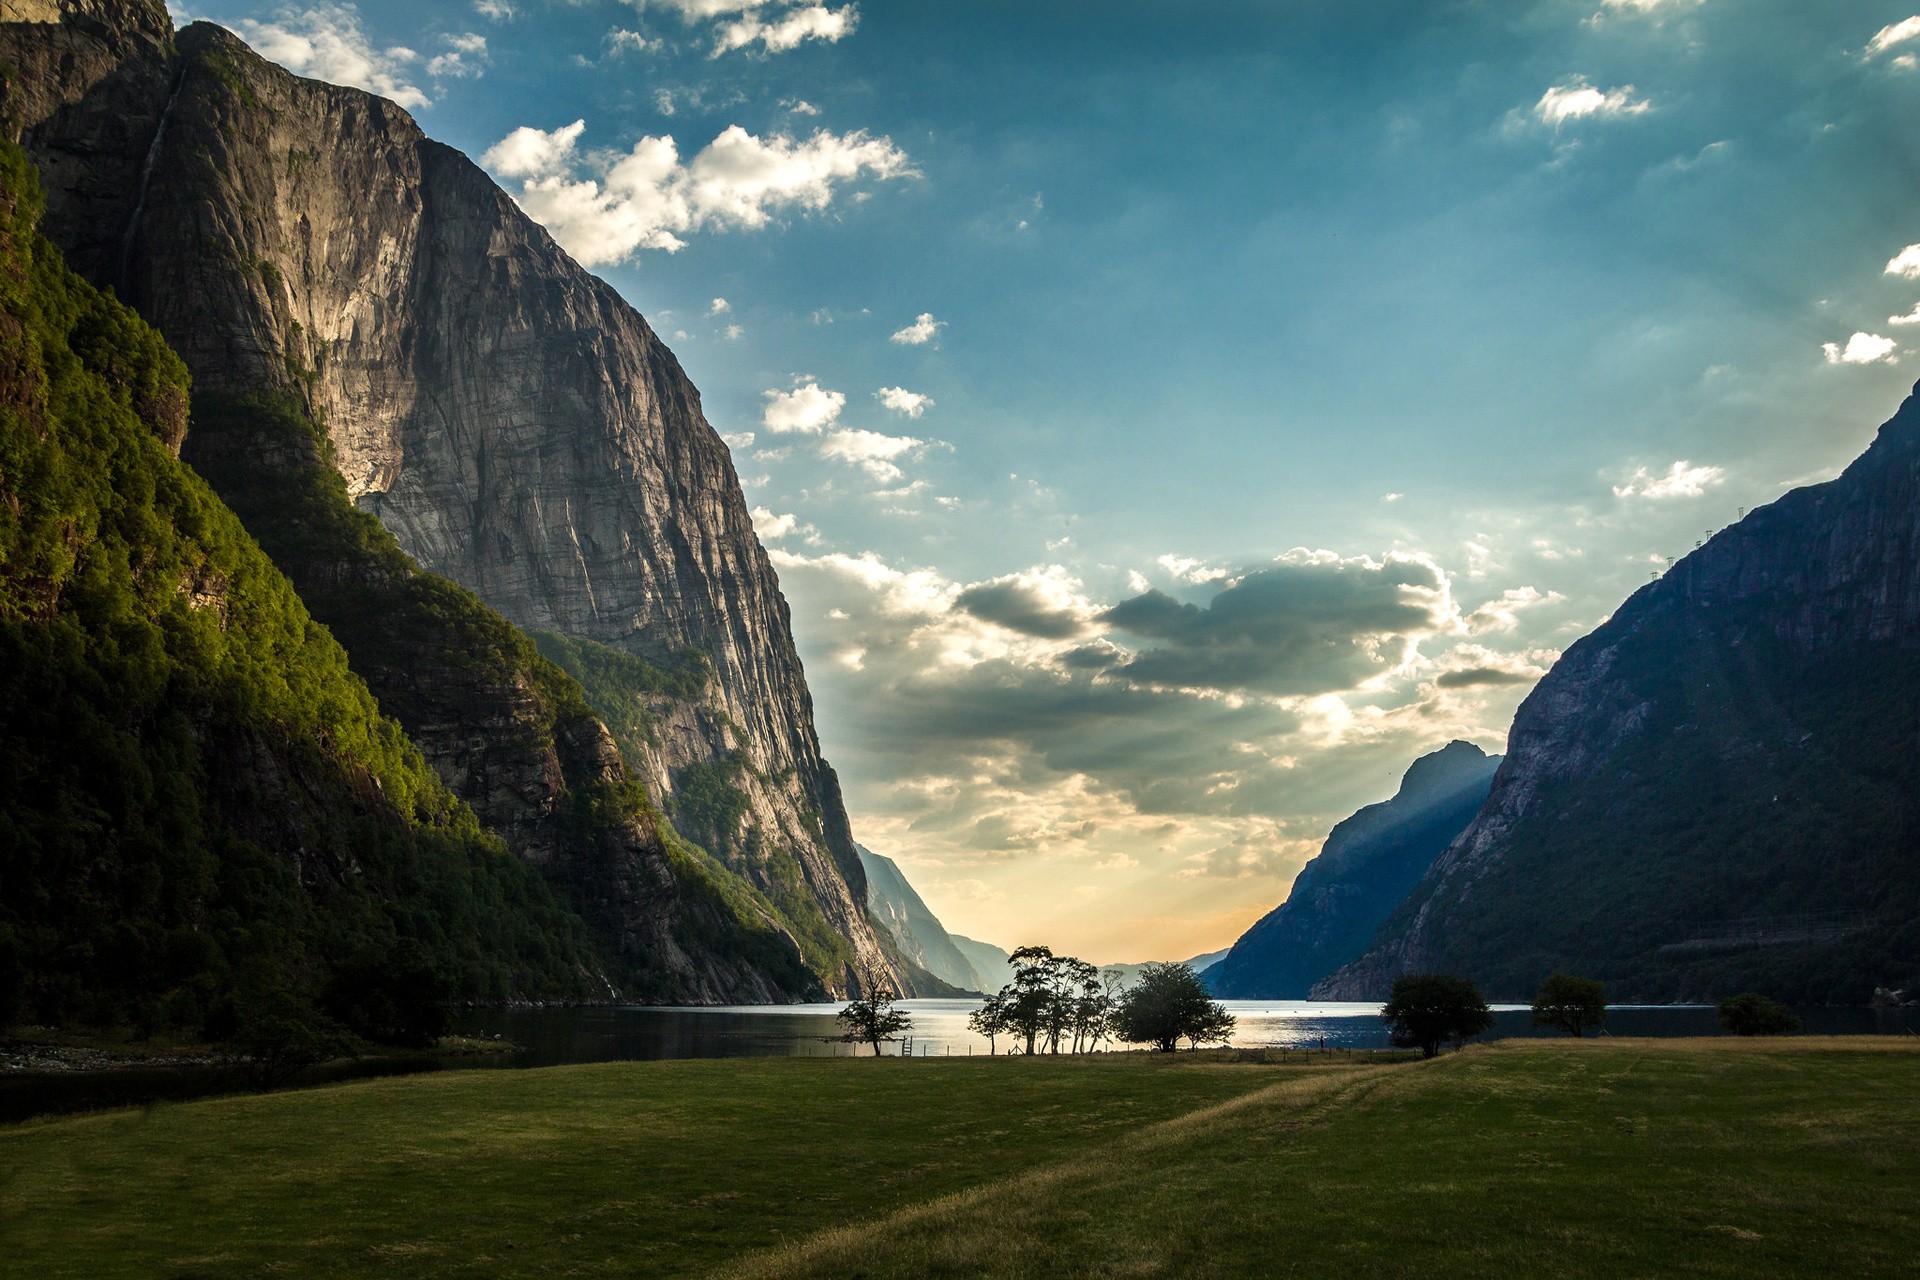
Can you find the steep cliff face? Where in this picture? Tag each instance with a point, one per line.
(515, 424)
(1368, 864)
(1717, 789)
(922, 939)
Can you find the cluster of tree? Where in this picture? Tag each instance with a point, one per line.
(1059, 1003)
(1751, 1014)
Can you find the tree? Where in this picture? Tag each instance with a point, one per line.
(1751, 1014)
(1575, 1005)
(1167, 1005)
(1429, 1009)
(990, 1019)
(873, 1019)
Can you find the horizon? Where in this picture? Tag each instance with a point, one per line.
(920, 263)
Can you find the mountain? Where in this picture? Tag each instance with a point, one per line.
(918, 933)
(204, 817)
(1367, 866)
(1129, 972)
(1717, 790)
(514, 426)
(987, 961)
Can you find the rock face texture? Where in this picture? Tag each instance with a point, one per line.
(515, 424)
(897, 908)
(1717, 790)
(1365, 869)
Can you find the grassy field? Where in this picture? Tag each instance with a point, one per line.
(1595, 1158)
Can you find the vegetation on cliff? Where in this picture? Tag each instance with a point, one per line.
(202, 809)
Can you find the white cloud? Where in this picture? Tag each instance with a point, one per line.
(1578, 100)
(1646, 6)
(605, 206)
(1905, 263)
(621, 41)
(739, 439)
(1392, 497)
(1893, 35)
(495, 10)
(871, 451)
(1187, 569)
(466, 58)
(732, 332)
(922, 331)
(775, 25)
(901, 400)
(1862, 348)
(771, 527)
(787, 30)
(328, 43)
(808, 409)
(801, 107)
(719, 307)
(1912, 317)
(1681, 480)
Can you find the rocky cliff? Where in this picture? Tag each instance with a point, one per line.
(508, 417)
(1366, 868)
(917, 932)
(1719, 788)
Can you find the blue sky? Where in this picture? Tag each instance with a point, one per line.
(1170, 419)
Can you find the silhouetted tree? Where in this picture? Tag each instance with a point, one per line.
(1575, 1005)
(873, 1019)
(990, 1019)
(1169, 1004)
(1752, 1014)
(1429, 1009)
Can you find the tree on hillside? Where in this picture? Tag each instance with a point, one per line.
(1575, 1005)
(1429, 1009)
(1167, 1005)
(873, 1019)
(1752, 1014)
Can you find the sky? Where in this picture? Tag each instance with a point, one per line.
(1169, 420)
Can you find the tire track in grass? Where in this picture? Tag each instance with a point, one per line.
(1312, 1095)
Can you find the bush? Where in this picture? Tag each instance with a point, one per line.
(1751, 1014)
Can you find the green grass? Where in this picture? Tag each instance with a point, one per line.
(1608, 1158)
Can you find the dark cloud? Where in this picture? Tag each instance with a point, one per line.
(1294, 628)
(1023, 605)
(1472, 676)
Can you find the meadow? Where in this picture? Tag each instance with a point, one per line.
(1574, 1158)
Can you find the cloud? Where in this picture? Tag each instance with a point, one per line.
(328, 43)
(605, 206)
(1578, 100)
(621, 41)
(719, 307)
(1681, 480)
(1044, 602)
(1912, 317)
(775, 25)
(494, 10)
(922, 331)
(466, 58)
(1647, 6)
(1862, 348)
(1310, 623)
(1187, 569)
(901, 400)
(1893, 35)
(1503, 613)
(787, 30)
(808, 409)
(871, 451)
(771, 527)
(1905, 263)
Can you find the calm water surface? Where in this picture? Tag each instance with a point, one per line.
(549, 1037)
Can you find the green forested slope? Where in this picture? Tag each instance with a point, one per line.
(201, 807)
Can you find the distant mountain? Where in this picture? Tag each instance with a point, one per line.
(1129, 973)
(921, 938)
(1364, 870)
(1719, 789)
(988, 961)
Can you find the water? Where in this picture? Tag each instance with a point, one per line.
(554, 1037)
(550, 1037)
